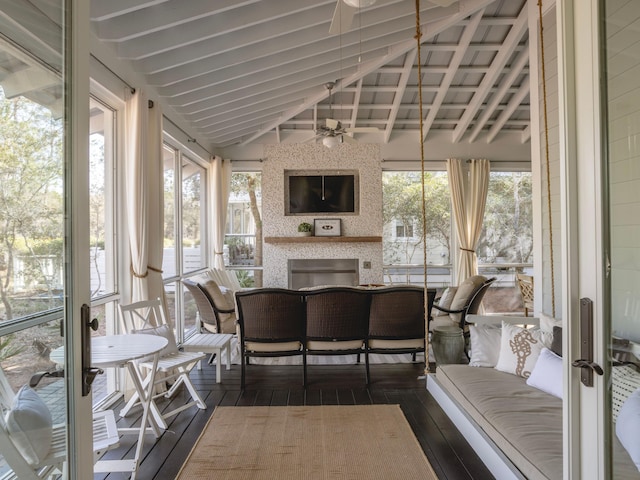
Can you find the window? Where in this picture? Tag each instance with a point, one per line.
(185, 231)
(243, 239)
(402, 245)
(507, 232)
(404, 231)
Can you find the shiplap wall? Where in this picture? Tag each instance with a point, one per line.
(550, 189)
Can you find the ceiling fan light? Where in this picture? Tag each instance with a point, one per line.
(331, 142)
(359, 3)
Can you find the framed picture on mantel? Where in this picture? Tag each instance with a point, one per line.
(326, 227)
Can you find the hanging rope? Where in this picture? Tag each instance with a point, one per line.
(546, 144)
(418, 36)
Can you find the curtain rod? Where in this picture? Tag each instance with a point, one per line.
(190, 139)
(133, 90)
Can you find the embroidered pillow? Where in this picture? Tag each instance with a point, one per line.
(547, 374)
(519, 350)
(485, 345)
(30, 426)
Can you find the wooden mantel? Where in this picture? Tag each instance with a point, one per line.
(313, 239)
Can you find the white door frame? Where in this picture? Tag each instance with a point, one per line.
(581, 195)
(77, 281)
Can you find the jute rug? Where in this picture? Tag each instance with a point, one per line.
(368, 442)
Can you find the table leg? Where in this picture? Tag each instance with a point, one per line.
(146, 400)
(228, 348)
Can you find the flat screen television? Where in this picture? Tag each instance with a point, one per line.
(321, 192)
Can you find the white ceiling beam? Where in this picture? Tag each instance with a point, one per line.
(28, 27)
(258, 119)
(202, 38)
(267, 81)
(466, 9)
(454, 64)
(526, 134)
(168, 15)
(507, 83)
(397, 98)
(355, 106)
(282, 50)
(295, 30)
(243, 116)
(489, 80)
(28, 80)
(115, 8)
(276, 67)
(513, 104)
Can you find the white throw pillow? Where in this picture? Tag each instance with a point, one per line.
(445, 301)
(30, 426)
(624, 381)
(485, 345)
(628, 427)
(546, 327)
(162, 331)
(547, 374)
(519, 350)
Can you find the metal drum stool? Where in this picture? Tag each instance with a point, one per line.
(448, 344)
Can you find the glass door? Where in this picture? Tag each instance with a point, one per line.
(43, 171)
(621, 93)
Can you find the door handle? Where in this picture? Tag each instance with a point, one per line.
(88, 373)
(586, 364)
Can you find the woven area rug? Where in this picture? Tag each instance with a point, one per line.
(346, 442)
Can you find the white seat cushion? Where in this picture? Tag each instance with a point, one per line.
(337, 346)
(390, 344)
(273, 346)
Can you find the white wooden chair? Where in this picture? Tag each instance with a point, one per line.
(148, 317)
(28, 456)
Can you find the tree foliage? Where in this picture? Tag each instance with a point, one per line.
(31, 199)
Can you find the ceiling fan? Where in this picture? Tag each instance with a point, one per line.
(332, 132)
(346, 9)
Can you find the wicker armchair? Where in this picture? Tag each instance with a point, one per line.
(272, 324)
(337, 322)
(467, 301)
(397, 320)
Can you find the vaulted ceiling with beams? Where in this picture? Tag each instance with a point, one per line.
(243, 72)
(237, 74)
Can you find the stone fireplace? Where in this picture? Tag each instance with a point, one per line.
(361, 234)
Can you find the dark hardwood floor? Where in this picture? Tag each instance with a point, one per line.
(447, 450)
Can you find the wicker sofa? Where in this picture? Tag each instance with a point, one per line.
(515, 428)
(331, 321)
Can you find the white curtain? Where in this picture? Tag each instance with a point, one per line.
(468, 189)
(144, 196)
(219, 187)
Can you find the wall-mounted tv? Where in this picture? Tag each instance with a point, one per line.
(321, 192)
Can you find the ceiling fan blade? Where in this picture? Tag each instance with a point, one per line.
(362, 129)
(342, 18)
(332, 124)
